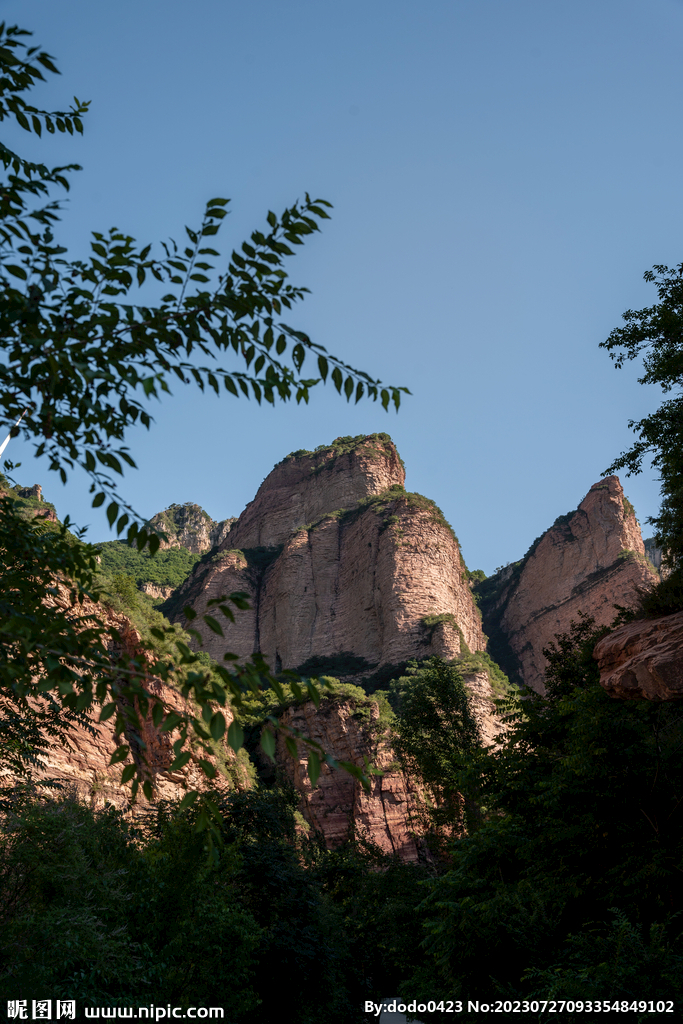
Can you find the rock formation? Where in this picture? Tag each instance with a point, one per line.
(29, 501)
(189, 526)
(643, 659)
(346, 571)
(82, 765)
(389, 815)
(589, 561)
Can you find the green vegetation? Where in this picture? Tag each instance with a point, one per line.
(112, 913)
(656, 334)
(344, 446)
(569, 882)
(167, 568)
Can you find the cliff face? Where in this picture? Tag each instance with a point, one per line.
(390, 813)
(83, 765)
(385, 814)
(643, 659)
(588, 561)
(189, 526)
(339, 588)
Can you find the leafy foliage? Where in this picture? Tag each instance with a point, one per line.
(656, 334)
(167, 568)
(135, 910)
(580, 821)
(435, 734)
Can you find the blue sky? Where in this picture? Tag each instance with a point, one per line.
(502, 174)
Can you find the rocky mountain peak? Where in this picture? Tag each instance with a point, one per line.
(589, 561)
(307, 485)
(189, 526)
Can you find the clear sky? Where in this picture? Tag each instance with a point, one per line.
(502, 174)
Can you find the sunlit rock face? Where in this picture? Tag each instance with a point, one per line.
(643, 659)
(588, 562)
(341, 565)
(82, 766)
(189, 526)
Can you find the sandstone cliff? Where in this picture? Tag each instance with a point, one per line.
(189, 526)
(82, 766)
(346, 572)
(643, 659)
(589, 561)
(390, 813)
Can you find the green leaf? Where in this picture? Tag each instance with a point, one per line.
(217, 726)
(107, 711)
(16, 271)
(290, 743)
(208, 768)
(189, 613)
(112, 512)
(120, 754)
(313, 767)
(147, 790)
(127, 774)
(187, 801)
(235, 736)
(323, 367)
(268, 743)
(180, 761)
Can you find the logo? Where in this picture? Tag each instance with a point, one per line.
(41, 1009)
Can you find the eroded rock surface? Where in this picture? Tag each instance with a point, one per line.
(386, 814)
(643, 659)
(82, 766)
(189, 526)
(587, 562)
(390, 814)
(339, 562)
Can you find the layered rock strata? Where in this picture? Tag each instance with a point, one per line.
(342, 567)
(587, 563)
(386, 815)
(391, 813)
(643, 659)
(82, 765)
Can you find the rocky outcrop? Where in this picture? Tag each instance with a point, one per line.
(82, 764)
(588, 562)
(390, 814)
(156, 590)
(387, 814)
(346, 571)
(643, 659)
(29, 501)
(189, 526)
(306, 486)
(482, 701)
